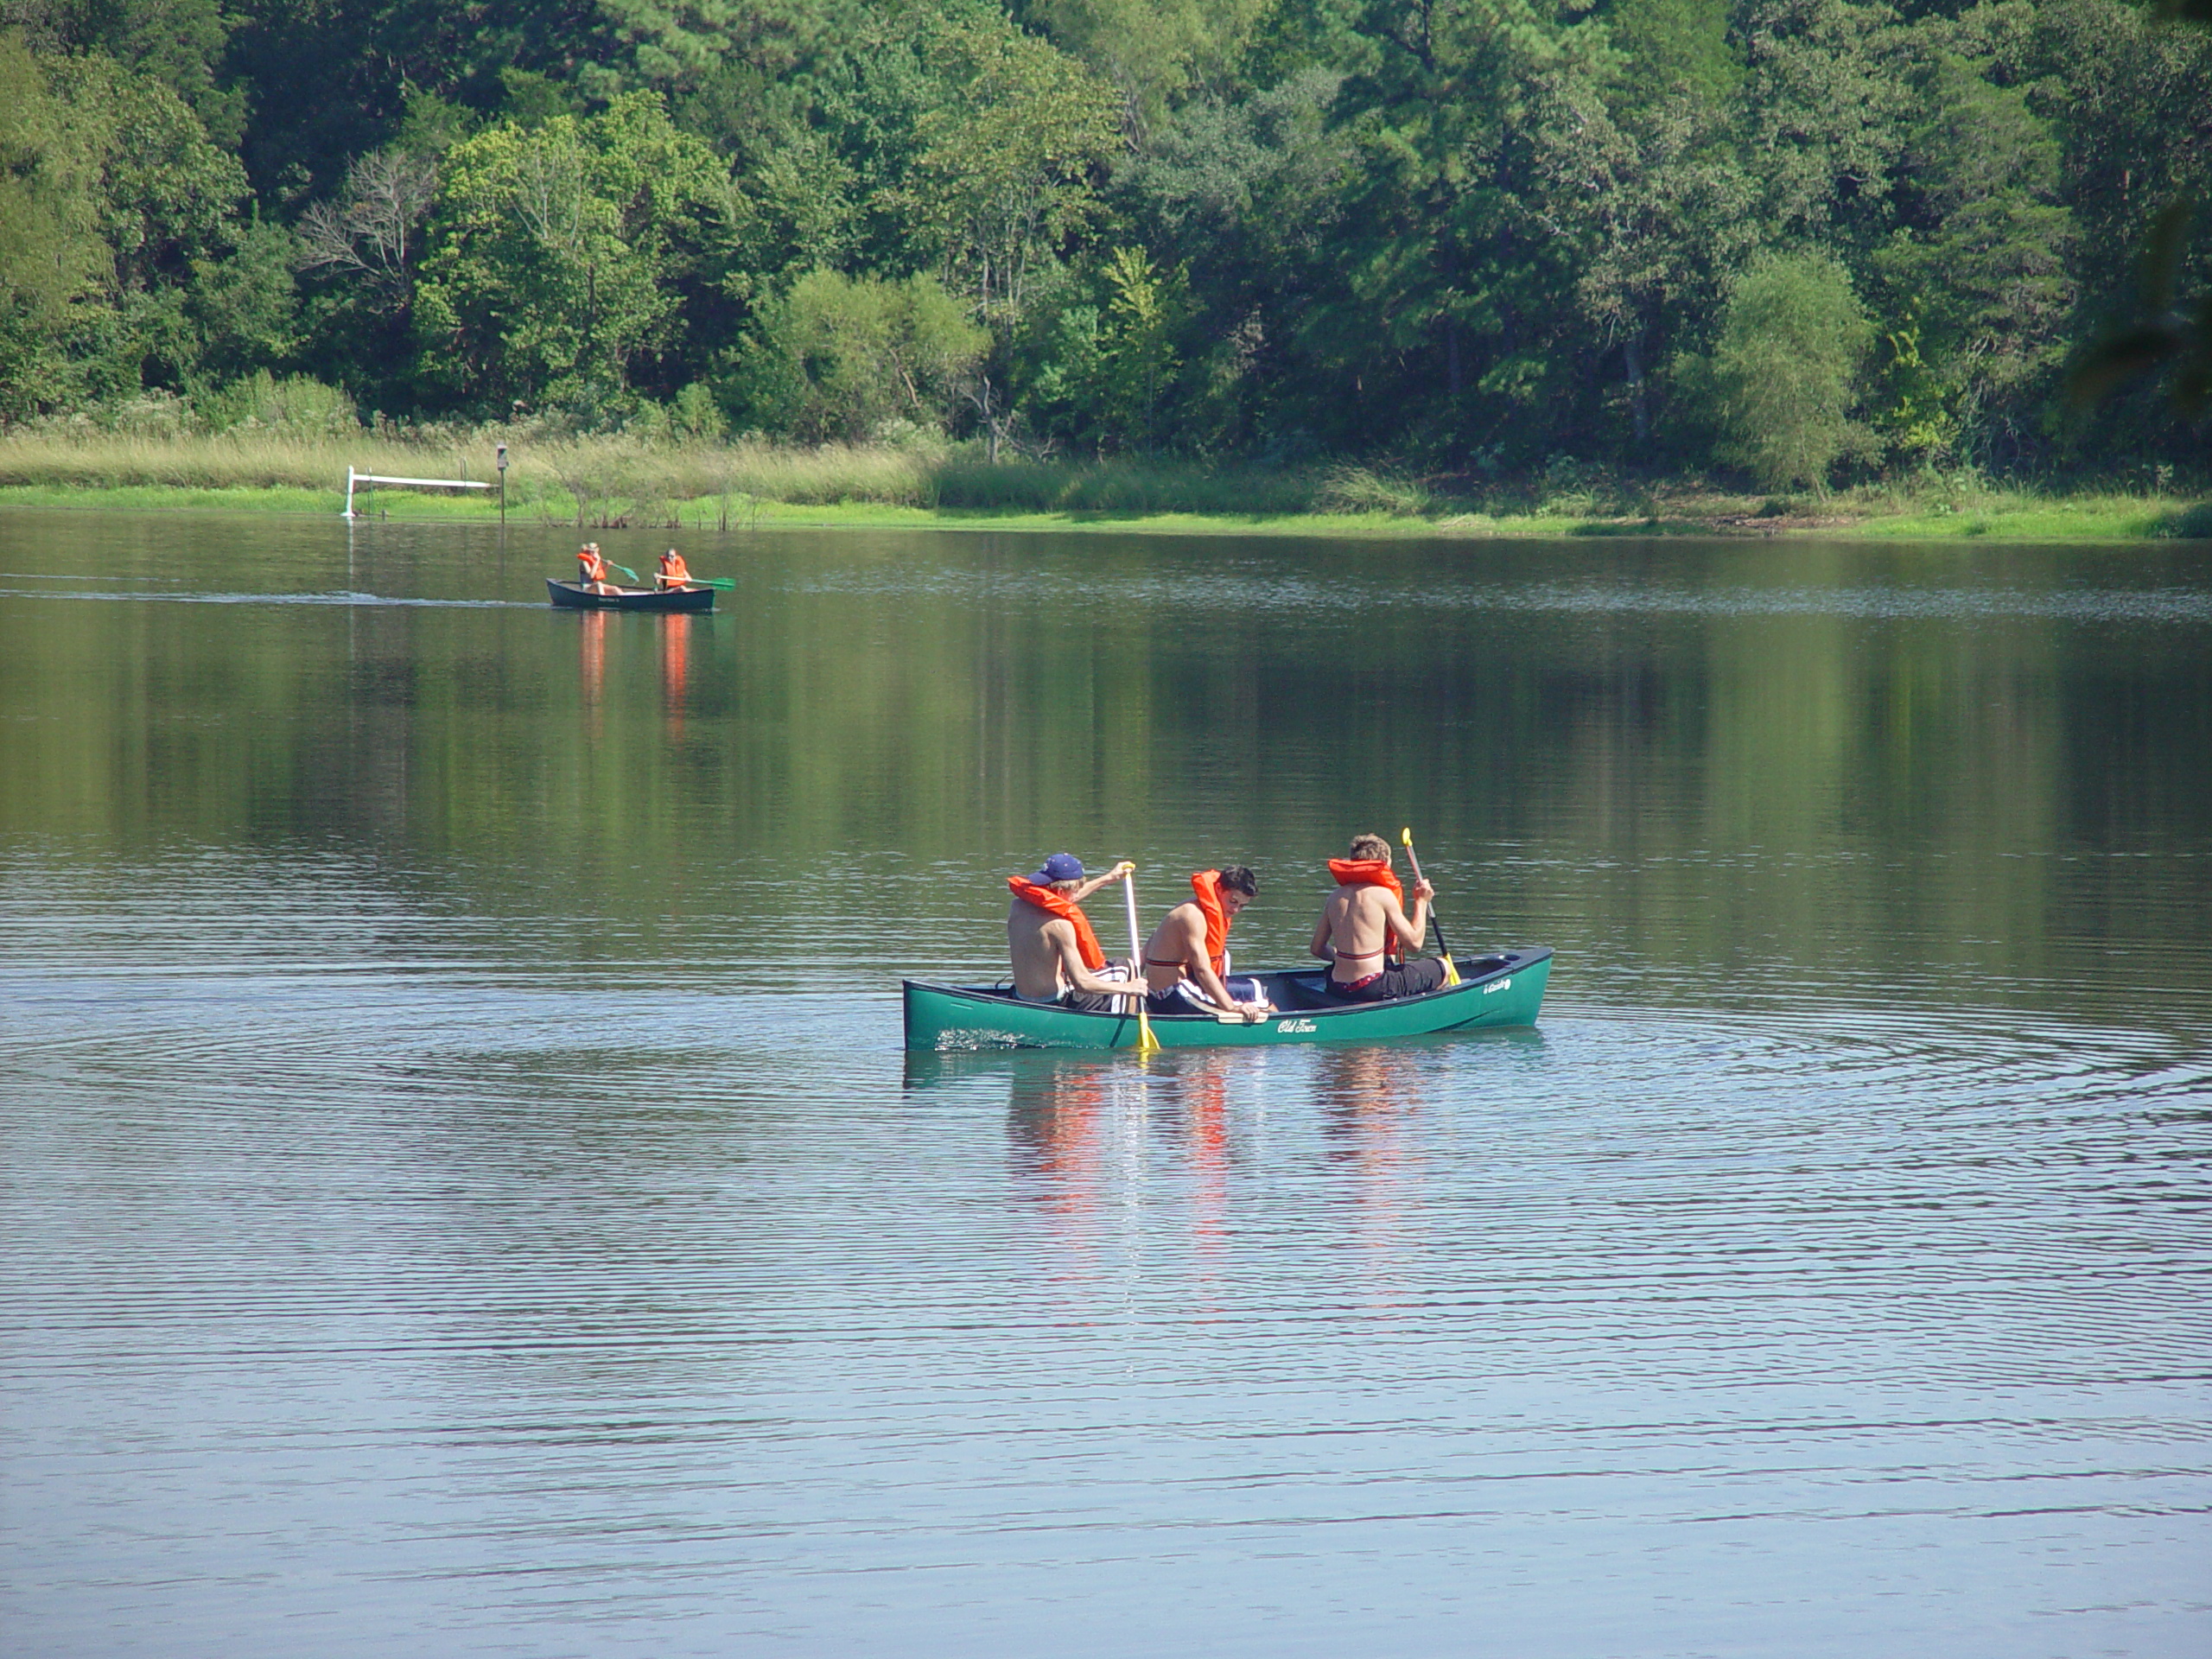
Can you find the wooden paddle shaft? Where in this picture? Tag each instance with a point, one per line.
(1145, 1041)
(1443, 948)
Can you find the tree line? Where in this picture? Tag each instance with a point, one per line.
(1794, 238)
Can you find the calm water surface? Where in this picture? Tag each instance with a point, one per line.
(462, 1193)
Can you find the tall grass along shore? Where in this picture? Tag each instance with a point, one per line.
(612, 482)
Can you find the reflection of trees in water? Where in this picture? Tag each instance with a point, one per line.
(1711, 750)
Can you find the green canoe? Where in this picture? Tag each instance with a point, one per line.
(1504, 989)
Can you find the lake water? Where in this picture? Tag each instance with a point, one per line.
(463, 1192)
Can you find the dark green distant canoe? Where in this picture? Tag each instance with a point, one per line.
(1505, 989)
(574, 596)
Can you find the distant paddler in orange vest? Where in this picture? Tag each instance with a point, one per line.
(673, 572)
(1186, 959)
(591, 570)
(1057, 956)
(1364, 927)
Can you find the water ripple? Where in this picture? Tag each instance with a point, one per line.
(351, 600)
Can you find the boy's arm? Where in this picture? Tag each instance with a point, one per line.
(1203, 975)
(1098, 881)
(1411, 931)
(1071, 964)
(1199, 967)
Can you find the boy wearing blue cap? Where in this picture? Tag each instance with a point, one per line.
(1057, 956)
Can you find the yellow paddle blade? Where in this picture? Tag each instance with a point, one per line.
(1405, 837)
(1451, 972)
(1147, 1043)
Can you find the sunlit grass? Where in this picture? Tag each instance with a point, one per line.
(620, 481)
(2014, 517)
(260, 461)
(581, 480)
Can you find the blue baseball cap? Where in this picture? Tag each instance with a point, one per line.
(1061, 867)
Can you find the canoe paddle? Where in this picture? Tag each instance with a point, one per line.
(727, 584)
(1443, 948)
(1147, 1043)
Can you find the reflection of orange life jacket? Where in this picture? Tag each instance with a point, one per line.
(673, 566)
(1207, 885)
(592, 566)
(1372, 873)
(1086, 941)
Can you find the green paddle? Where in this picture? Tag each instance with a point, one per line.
(727, 584)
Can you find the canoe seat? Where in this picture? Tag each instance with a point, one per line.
(1301, 993)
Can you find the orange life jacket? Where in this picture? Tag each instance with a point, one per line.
(1372, 873)
(592, 566)
(673, 566)
(1206, 884)
(1086, 940)
(1367, 872)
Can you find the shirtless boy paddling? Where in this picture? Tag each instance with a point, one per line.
(1057, 956)
(1364, 925)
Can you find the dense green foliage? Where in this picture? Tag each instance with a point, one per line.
(1781, 374)
(1792, 238)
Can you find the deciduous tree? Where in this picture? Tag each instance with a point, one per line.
(1784, 375)
(557, 258)
(839, 357)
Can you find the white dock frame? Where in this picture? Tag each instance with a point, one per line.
(354, 478)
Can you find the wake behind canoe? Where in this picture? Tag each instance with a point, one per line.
(1504, 989)
(572, 595)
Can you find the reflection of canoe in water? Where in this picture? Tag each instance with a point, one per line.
(1505, 989)
(571, 595)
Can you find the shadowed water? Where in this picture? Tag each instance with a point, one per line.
(463, 1192)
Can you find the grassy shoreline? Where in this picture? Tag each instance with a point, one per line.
(613, 483)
